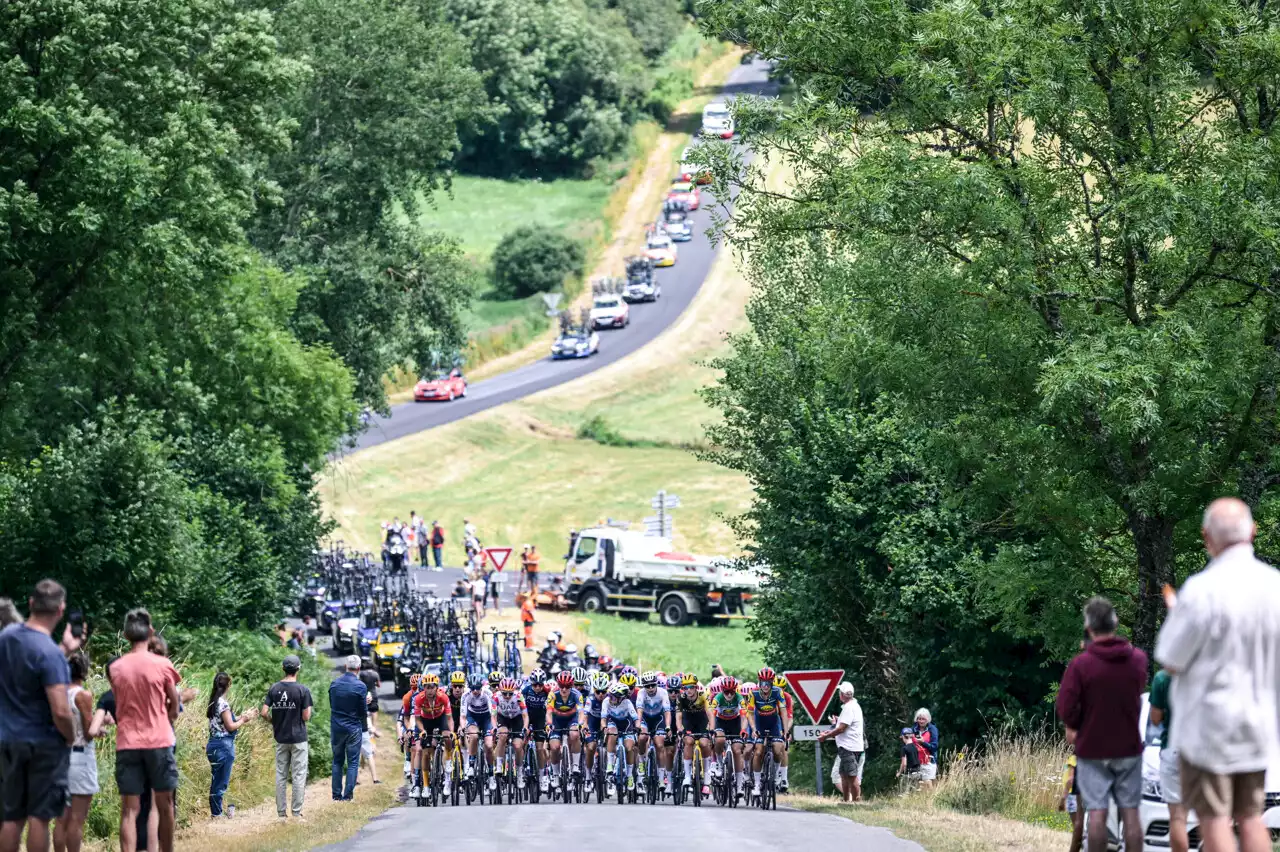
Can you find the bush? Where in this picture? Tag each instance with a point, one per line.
(1013, 774)
(534, 259)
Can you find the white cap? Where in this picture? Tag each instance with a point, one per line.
(845, 688)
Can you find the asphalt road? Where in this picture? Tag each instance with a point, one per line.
(680, 284)
(590, 827)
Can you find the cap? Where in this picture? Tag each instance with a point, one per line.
(907, 732)
(353, 663)
(845, 688)
(291, 663)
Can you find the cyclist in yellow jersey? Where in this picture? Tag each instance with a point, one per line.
(695, 721)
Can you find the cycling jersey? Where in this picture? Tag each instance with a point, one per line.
(407, 704)
(476, 703)
(622, 715)
(653, 705)
(697, 704)
(535, 701)
(730, 705)
(509, 706)
(767, 702)
(595, 707)
(565, 706)
(455, 702)
(431, 709)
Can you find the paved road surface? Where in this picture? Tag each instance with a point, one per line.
(680, 284)
(592, 827)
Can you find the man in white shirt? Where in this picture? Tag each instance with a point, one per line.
(850, 742)
(1221, 641)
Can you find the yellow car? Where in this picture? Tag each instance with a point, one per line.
(660, 249)
(389, 647)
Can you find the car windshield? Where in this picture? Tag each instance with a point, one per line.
(390, 637)
(607, 302)
(716, 113)
(659, 242)
(350, 612)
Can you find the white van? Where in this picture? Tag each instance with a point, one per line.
(717, 121)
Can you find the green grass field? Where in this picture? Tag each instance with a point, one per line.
(648, 645)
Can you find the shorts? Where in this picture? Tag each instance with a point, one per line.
(1101, 781)
(514, 724)
(427, 727)
(592, 733)
(731, 728)
(851, 762)
(694, 723)
(33, 780)
(1212, 795)
(366, 744)
(483, 721)
(82, 780)
(929, 771)
(625, 729)
(538, 729)
(769, 725)
(655, 725)
(560, 726)
(139, 769)
(1170, 777)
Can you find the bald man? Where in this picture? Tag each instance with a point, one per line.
(1221, 642)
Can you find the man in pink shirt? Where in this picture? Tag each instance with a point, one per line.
(146, 692)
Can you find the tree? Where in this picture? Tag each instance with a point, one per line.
(535, 259)
(1051, 256)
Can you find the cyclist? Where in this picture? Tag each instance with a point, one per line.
(654, 706)
(495, 678)
(730, 720)
(477, 708)
(621, 719)
(536, 694)
(566, 718)
(769, 705)
(695, 719)
(512, 719)
(630, 681)
(789, 717)
(457, 686)
(404, 728)
(432, 720)
(594, 711)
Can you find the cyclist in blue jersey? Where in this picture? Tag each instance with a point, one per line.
(536, 695)
(770, 706)
(621, 720)
(654, 706)
(566, 718)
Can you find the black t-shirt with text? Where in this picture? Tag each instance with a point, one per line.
(286, 701)
(913, 757)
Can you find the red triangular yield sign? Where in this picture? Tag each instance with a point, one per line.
(498, 556)
(813, 689)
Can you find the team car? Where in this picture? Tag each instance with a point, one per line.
(683, 190)
(716, 121)
(610, 311)
(443, 386)
(576, 344)
(675, 221)
(660, 249)
(389, 648)
(641, 285)
(700, 175)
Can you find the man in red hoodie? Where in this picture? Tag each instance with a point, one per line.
(1100, 699)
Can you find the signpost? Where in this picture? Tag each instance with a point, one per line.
(552, 301)
(498, 556)
(813, 689)
(807, 733)
(661, 525)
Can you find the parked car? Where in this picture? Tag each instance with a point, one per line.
(442, 386)
(576, 344)
(610, 311)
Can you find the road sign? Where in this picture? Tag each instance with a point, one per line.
(498, 556)
(807, 733)
(551, 300)
(665, 501)
(660, 527)
(814, 688)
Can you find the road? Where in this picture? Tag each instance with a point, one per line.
(680, 284)
(588, 828)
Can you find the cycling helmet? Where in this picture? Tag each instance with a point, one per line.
(673, 682)
(604, 661)
(648, 679)
(589, 651)
(580, 675)
(537, 677)
(413, 681)
(476, 681)
(457, 679)
(630, 670)
(600, 682)
(628, 680)
(553, 637)
(780, 682)
(766, 675)
(495, 678)
(729, 684)
(507, 684)
(713, 688)
(430, 679)
(564, 679)
(689, 679)
(618, 690)
(748, 687)
(571, 648)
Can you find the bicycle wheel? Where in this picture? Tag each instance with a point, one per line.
(697, 776)
(767, 778)
(651, 774)
(436, 778)
(455, 778)
(598, 770)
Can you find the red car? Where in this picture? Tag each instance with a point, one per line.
(683, 190)
(445, 386)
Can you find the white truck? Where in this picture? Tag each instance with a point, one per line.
(625, 572)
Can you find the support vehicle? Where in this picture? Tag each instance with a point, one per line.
(629, 573)
(610, 311)
(441, 387)
(717, 121)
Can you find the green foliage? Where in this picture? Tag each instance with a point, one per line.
(654, 23)
(564, 83)
(535, 259)
(648, 645)
(1009, 335)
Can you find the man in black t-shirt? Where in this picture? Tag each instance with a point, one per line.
(289, 704)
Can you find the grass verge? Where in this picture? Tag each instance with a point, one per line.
(648, 645)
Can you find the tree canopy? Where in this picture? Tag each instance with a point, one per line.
(1040, 276)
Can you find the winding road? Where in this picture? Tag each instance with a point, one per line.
(680, 284)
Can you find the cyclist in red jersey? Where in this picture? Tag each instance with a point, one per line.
(432, 718)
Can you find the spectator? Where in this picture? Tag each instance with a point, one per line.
(282, 631)
(1100, 699)
(1170, 780)
(478, 588)
(82, 779)
(496, 580)
(437, 544)
(36, 725)
(372, 682)
(289, 705)
(1071, 804)
(348, 718)
(147, 703)
(531, 568)
(368, 753)
(913, 757)
(423, 535)
(927, 736)
(717, 670)
(221, 750)
(527, 609)
(850, 740)
(8, 613)
(1220, 645)
(469, 532)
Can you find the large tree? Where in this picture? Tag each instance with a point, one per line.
(1050, 255)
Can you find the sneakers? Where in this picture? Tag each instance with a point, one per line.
(416, 792)
(631, 782)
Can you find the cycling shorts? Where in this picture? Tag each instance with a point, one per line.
(654, 725)
(560, 725)
(538, 733)
(731, 728)
(694, 723)
(593, 728)
(514, 724)
(431, 726)
(771, 725)
(623, 728)
(483, 721)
